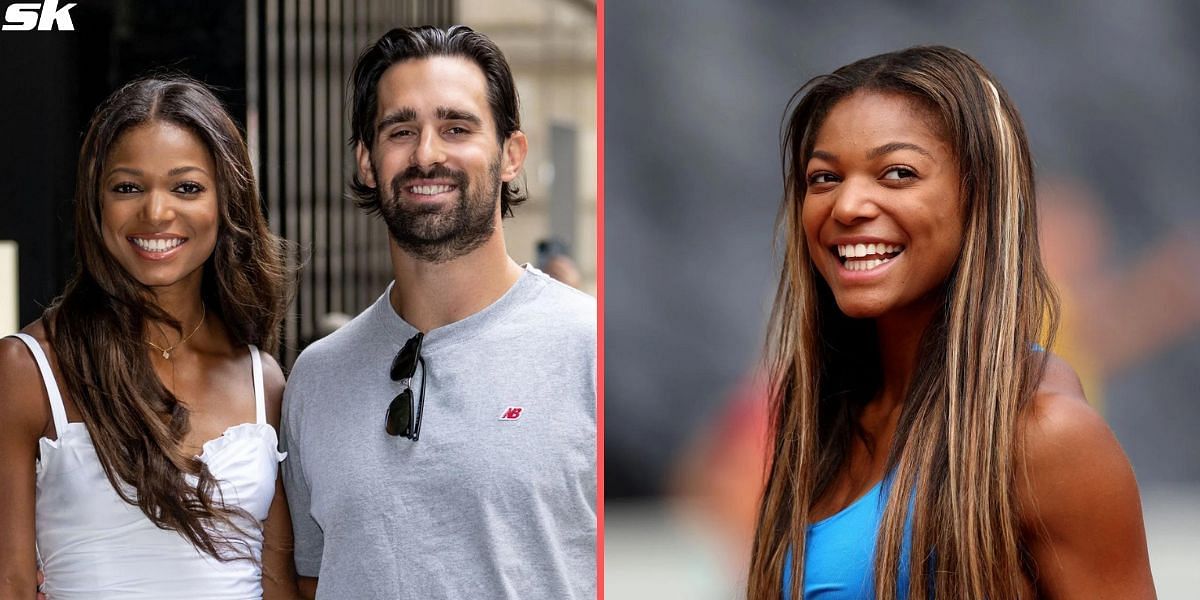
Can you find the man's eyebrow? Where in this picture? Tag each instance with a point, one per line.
(895, 146)
(446, 113)
(403, 115)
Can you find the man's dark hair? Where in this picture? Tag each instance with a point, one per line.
(403, 44)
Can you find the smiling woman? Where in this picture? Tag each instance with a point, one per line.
(884, 199)
(925, 443)
(138, 453)
(160, 220)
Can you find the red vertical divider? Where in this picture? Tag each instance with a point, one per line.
(600, 298)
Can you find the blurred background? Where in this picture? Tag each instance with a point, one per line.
(695, 94)
(281, 68)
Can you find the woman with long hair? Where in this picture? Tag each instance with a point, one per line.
(925, 444)
(138, 450)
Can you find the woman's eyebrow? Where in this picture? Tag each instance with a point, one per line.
(823, 155)
(876, 152)
(185, 169)
(171, 173)
(894, 146)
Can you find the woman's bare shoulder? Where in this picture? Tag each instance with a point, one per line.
(1061, 432)
(15, 358)
(1059, 416)
(1078, 498)
(24, 404)
(1070, 465)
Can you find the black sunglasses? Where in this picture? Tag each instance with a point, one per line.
(400, 412)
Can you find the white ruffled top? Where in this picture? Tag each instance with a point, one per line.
(94, 545)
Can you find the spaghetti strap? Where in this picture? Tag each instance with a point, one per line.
(260, 401)
(56, 401)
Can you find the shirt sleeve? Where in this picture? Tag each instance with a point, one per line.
(309, 538)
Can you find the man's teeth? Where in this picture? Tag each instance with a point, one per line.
(157, 244)
(430, 190)
(859, 250)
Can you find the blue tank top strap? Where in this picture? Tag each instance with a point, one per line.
(56, 402)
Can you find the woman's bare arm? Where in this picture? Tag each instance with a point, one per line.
(24, 417)
(279, 569)
(1081, 512)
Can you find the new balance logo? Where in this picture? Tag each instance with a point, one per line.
(511, 413)
(46, 16)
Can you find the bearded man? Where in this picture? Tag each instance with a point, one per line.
(442, 444)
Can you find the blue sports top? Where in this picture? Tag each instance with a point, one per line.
(839, 551)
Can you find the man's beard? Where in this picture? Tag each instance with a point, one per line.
(436, 233)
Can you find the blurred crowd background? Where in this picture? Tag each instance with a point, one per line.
(281, 67)
(695, 95)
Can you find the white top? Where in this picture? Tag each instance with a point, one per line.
(93, 545)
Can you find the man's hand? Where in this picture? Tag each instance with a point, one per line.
(41, 578)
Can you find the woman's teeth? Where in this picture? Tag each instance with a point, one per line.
(864, 257)
(864, 265)
(157, 244)
(860, 250)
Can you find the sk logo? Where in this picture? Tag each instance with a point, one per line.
(46, 16)
(511, 413)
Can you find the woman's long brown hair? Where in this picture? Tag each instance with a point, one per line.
(97, 326)
(957, 441)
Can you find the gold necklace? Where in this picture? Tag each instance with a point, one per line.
(166, 352)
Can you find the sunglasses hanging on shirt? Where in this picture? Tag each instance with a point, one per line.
(402, 419)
